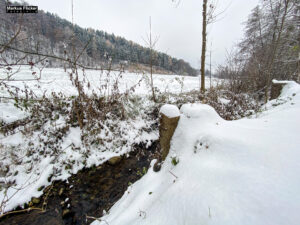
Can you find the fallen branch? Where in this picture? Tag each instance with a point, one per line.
(22, 211)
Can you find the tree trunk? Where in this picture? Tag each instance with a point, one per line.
(299, 68)
(204, 23)
(151, 63)
(275, 44)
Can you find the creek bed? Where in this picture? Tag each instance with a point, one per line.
(86, 193)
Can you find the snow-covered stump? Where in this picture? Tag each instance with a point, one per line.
(169, 117)
(277, 88)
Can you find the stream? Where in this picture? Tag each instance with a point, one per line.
(87, 193)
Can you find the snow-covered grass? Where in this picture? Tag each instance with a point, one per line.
(57, 80)
(229, 172)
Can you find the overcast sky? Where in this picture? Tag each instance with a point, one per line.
(178, 26)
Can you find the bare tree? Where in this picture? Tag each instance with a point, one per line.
(151, 45)
(204, 35)
(209, 16)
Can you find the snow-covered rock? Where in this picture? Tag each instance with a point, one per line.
(200, 111)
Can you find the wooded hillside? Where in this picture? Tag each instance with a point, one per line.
(55, 35)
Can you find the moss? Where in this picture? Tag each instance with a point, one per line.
(35, 200)
(143, 172)
(174, 161)
(41, 188)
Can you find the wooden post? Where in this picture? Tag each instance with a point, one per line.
(167, 127)
(276, 88)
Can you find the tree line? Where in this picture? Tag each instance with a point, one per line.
(269, 50)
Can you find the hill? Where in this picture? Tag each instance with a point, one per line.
(51, 34)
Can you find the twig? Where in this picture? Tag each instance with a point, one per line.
(46, 197)
(56, 57)
(173, 174)
(5, 46)
(94, 218)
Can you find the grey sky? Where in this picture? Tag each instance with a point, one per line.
(179, 28)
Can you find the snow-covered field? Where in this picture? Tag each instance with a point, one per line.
(229, 172)
(57, 80)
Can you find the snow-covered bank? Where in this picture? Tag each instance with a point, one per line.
(229, 172)
(51, 146)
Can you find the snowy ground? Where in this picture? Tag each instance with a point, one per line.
(57, 80)
(229, 172)
(29, 162)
